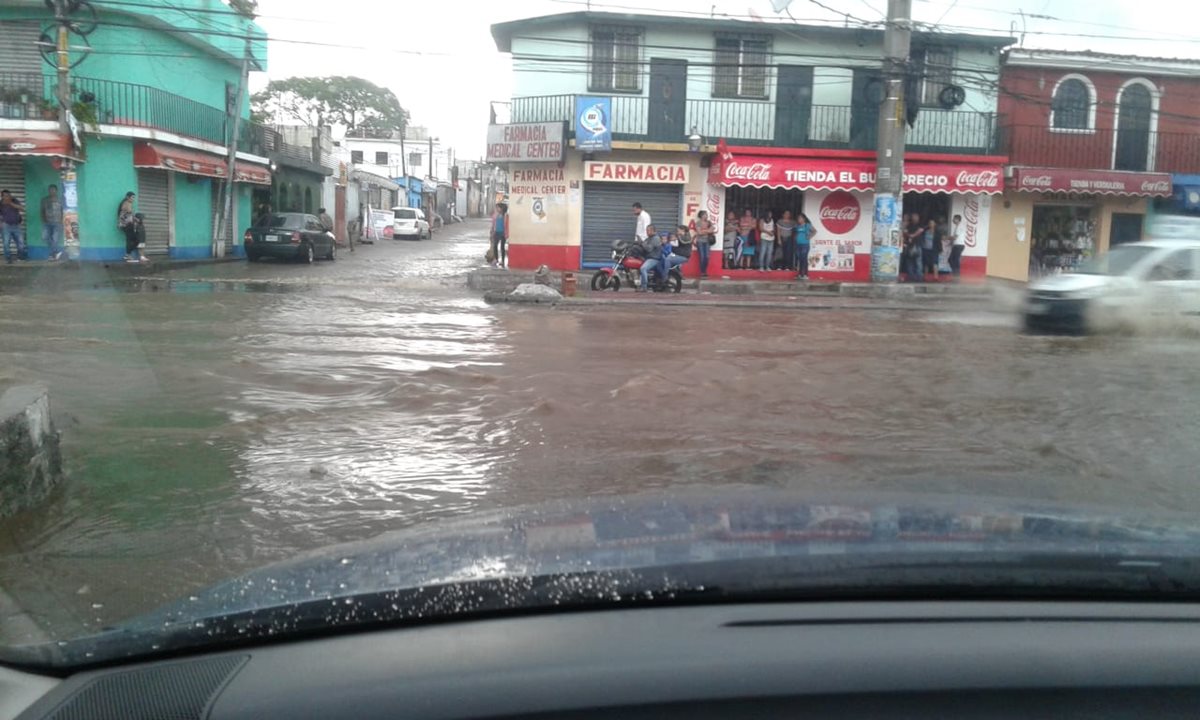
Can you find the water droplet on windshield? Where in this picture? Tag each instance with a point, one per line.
(97, 606)
(62, 643)
(345, 561)
(193, 598)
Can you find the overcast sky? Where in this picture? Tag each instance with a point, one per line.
(439, 58)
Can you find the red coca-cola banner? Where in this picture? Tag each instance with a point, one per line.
(1102, 182)
(832, 174)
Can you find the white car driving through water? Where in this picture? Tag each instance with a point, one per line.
(1152, 281)
(410, 223)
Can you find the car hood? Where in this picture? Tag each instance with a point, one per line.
(1075, 282)
(640, 548)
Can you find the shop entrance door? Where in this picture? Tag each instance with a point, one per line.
(793, 105)
(1126, 228)
(153, 202)
(608, 215)
(668, 100)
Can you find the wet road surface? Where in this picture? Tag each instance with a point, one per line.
(233, 415)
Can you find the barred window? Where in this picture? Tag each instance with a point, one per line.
(740, 66)
(1071, 106)
(616, 59)
(937, 71)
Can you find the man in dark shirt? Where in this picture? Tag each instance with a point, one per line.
(912, 248)
(52, 222)
(10, 225)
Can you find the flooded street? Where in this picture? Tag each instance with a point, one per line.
(233, 415)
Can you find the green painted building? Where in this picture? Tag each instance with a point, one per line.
(151, 98)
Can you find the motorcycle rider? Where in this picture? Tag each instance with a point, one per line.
(656, 251)
(681, 250)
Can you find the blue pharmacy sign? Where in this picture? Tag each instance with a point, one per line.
(593, 124)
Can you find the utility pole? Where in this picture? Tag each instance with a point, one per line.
(235, 127)
(888, 218)
(68, 127)
(404, 168)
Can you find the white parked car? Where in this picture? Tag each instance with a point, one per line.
(1132, 285)
(410, 223)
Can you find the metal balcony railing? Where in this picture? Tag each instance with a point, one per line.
(747, 122)
(1102, 149)
(25, 96)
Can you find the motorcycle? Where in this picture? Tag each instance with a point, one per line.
(628, 257)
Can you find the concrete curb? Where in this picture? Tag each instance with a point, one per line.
(692, 300)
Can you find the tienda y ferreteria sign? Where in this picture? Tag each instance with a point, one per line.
(525, 142)
(635, 172)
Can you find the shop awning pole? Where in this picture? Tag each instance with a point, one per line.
(889, 171)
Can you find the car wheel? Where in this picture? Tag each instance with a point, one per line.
(306, 254)
(332, 252)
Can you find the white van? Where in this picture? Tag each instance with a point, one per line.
(410, 223)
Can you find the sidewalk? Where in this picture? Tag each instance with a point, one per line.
(48, 273)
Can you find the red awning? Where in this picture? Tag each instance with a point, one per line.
(822, 173)
(44, 143)
(196, 162)
(1100, 182)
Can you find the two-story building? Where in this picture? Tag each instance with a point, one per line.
(418, 162)
(151, 99)
(686, 113)
(1095, 141)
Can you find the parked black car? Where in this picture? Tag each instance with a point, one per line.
(292, 236)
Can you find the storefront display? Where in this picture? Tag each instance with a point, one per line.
(1061, 238)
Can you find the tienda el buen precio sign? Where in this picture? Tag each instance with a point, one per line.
(525, 142)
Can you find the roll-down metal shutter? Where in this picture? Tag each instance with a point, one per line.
(19, 54)
(154, 203)
(608, 215)
(12, 178)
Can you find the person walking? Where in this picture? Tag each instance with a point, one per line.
(644, 221)
(128, 225)
(705, 237)
(804, 232)
(11, 210)
(956, 247)
(944, 247)
(787, 240)
(500, 233)
(52, 222)
(766, 241)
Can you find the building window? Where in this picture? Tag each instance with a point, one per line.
(1072, 105)
(381, 157)
(416, 159)
(937, 72)
(356, 156)
(616, 59)
(740, 66)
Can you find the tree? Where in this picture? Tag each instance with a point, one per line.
(352, 102)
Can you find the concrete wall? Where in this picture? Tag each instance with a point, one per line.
(103, 181)
(39, 174)
(193, 217)
(30, 459)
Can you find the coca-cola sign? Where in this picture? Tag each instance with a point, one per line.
(971, 221)
(1036, 181)
(979, 179)
(1156, 186)
(839, 213)
(748, 172)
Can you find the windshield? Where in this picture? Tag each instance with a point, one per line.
(1117, 262)
(299, 313)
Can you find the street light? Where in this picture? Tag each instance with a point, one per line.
(695, 140)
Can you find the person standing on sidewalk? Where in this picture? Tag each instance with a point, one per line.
(128, 225)
(804, 235)
(500, 231)
(731, 250)
(929, 249)
(956, 247)
(705, 238)
(787, 244)
(52, 222)
(766, 241)
(642, 229)
(10, 225)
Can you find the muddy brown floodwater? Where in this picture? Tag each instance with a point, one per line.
(237, 415)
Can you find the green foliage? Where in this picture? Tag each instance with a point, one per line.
(351, 102)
